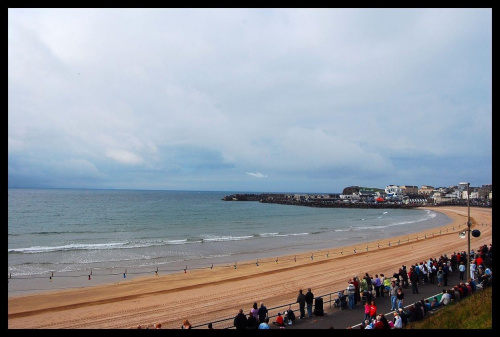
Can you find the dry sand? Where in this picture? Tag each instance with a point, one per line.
(213, 294)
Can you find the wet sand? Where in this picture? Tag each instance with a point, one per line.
(206, 295)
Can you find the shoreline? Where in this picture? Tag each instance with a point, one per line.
(20, 285)
(202, 289)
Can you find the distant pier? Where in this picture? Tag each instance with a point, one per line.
(328, 201)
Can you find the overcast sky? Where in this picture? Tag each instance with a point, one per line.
(249, 100)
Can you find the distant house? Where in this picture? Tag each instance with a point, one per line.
(409, 189)
(366, 194)
(394, 192)
(425, 190)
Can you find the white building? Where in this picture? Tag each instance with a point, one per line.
(394, 192)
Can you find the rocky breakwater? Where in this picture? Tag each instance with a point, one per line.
(285, 199)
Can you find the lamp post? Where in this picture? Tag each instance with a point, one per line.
(468, 231)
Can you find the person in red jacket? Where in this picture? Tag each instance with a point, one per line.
(379, 324)
(373, 310)
(279, 320)
(479, 261)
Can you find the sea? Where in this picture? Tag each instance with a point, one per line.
(63, 238)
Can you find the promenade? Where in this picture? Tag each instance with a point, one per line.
(343, 319)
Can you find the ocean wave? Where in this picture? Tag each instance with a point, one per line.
(266, 235)
(41, 249)
(227, 238)
(429, 215)
(102, 246)
(144, 243)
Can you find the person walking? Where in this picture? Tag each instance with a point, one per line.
(262, 312)
(309, 302)
(393, 292)
(351, 293)
(301, 300)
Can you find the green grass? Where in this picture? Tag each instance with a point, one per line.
(473, 312)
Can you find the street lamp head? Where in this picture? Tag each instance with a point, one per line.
(463, 183)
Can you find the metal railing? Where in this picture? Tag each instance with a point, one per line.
(273, 311)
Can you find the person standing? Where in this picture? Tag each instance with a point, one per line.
(357, 286)
(400, 298)
(432, 273)
(301, 300)
(368, 281)
(439, 276)
(461, 268)
(393, 292)
(446, 270)
(363, 286)
(309, 302)
(382, 285)
(351, 294)
(425, 273)
(373, 310)
(240, 321)
(262, 312)
(376, 285)
(255, 311)
(404, 276)
(453, 260)
(472, 270)
(367, 311)
(414, 280)
(252, 322)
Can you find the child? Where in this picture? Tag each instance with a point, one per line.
(367, 311)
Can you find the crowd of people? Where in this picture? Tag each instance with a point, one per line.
(432, 271)
(365, 290)
(258, 318)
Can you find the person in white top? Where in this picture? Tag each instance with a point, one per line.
(398, 322)
(445, 299)
(473, 270)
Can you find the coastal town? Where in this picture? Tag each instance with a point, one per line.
(392, 196)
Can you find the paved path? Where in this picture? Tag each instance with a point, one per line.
(342, 319)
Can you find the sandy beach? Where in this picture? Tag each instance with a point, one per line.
(213, 294)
